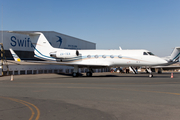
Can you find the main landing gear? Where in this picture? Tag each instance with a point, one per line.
(76, 74)
(89, 74)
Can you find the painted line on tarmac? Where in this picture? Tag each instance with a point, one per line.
(29, 105)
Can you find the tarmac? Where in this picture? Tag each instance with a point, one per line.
(104, 96)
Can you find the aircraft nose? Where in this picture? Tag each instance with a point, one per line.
(162, 61)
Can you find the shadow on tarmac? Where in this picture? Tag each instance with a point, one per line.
(142, 75)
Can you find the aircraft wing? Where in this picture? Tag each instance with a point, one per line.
(69, 64)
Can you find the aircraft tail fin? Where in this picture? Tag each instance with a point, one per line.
(175, 54)
(41, 45)
(15, 56)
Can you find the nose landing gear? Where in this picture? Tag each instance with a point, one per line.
(150, 75)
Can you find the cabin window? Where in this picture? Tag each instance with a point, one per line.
(119, 56)
(89, 56)
(96, 56)
(112, 56)
(145, 53)
(104, 56)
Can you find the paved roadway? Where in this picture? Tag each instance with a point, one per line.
(105, 96)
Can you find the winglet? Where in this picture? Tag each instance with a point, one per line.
(16, 58)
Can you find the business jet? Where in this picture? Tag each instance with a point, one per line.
(95, 58)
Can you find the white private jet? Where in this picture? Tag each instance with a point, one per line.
(95, 58)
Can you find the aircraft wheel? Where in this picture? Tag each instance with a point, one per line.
(74, 74)
(89, 74)
(151, 75)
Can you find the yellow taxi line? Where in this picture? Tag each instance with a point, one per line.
(26, 104)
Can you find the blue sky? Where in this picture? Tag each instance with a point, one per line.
(132, 24)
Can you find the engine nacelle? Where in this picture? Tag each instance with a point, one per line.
(64, 54)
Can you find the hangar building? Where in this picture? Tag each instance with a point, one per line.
(21, 43)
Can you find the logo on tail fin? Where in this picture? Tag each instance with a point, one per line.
(60, 41)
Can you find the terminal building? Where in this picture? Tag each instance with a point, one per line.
(21, 44)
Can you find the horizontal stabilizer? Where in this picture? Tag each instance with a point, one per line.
(15, 56)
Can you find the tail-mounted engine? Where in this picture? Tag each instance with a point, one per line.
(64, 54)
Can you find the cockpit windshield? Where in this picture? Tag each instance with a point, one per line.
(144, 53)
(148, 53)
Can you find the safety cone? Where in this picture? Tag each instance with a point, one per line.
(12, 78)
(172, 75)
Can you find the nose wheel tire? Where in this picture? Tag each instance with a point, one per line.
(151, 75)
